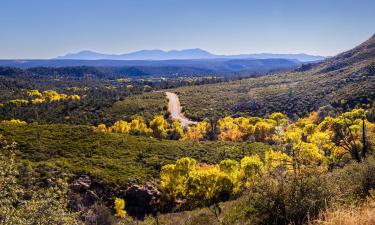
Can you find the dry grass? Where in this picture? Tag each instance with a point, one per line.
(352, 215)
(201, 216)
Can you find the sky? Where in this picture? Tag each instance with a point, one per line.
(40, 29)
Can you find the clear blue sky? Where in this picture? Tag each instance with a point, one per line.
(47, 28)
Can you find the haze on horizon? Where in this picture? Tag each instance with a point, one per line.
(46, 29)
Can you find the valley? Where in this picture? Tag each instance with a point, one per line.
(187, 113)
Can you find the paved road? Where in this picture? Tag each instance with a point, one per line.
(174, 107)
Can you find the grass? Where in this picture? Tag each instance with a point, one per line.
(111, 157)
(353, 215)
(201, 216)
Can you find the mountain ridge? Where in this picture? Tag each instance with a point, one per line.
(185, 54)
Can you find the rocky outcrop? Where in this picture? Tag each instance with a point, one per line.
(87, 194)
(142, 200)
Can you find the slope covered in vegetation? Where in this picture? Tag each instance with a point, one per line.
(343, 81)
(110, 156)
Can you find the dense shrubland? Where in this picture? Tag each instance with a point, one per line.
(333, 139)
(321, 162)
(302, 168)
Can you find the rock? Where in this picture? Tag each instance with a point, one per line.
(50, 182)
(142, 200)
(82, 184)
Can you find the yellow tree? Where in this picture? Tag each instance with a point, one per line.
(263, 131)
(74, 97)
(175, 132)
(173, 179)
(277, 160)
(119, 127)
(348, 132)
(51, 95)
(197, 132)
(245, 126)
(280, 118)
(159, 127)
(102, 128)
(229, 130)
(120, 207)
(208, 185)
(139, 127)
(251, 168)
(34, 93)
(232, 169)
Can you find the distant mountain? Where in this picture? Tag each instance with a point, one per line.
(183, 55)
(85, 55)
(142, 55)
(167, 55)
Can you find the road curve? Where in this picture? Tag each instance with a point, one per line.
(174, 107)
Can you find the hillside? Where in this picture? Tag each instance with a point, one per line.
(343, 81)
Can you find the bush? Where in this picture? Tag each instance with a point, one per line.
(355, 181)
(98, 214)
(281, 200)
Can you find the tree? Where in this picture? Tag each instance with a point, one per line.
(175, 132)
(139, 127)
(14, 122)
(119, 127)
(263, 131)
(347, 132)
(280, 118)
(232, 168)
(52, 95)
(277, 161)
(119, 207)
(102, 128)
(251, 168)
(188, 184)
(173, 179)
(208, 185)
(75, 97)
(229, 130)
(34, 93)
(159, 127)
(197, 132)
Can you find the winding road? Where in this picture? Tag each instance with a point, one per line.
(174, 107)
